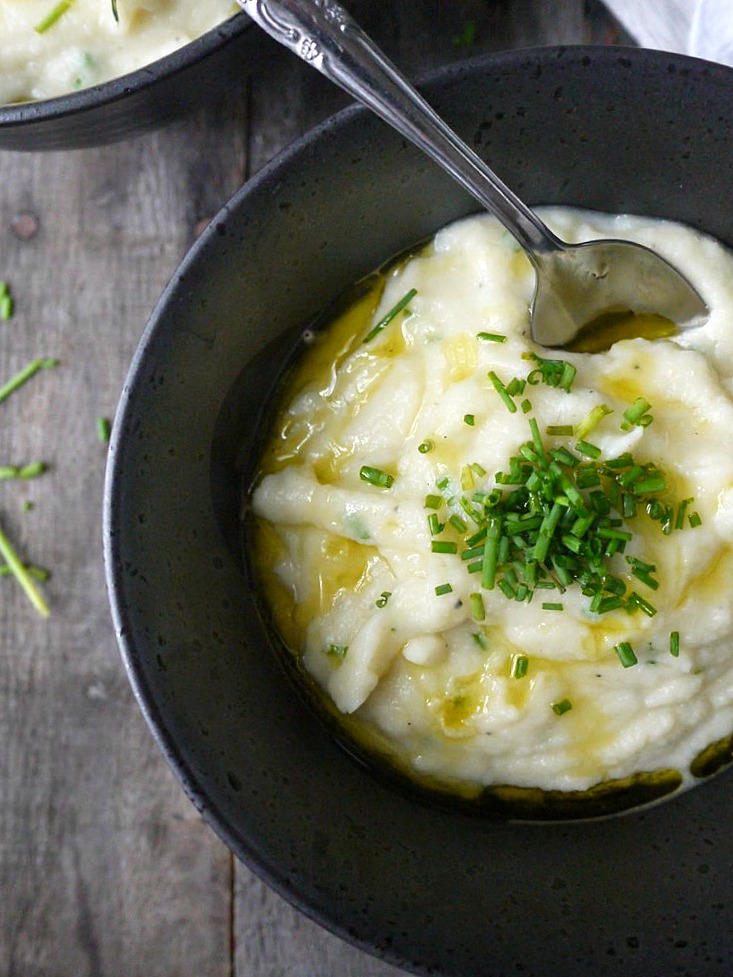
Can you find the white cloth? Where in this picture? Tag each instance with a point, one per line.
(703, 28)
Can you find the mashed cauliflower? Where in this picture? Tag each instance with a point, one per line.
(51, 48)
(474, 674)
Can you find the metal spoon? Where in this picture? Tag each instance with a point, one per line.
(576, 283)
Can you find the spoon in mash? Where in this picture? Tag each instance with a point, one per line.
(583, 291)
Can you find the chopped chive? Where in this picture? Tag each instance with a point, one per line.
(491, 549)
(392, 314)
(490, 337)
(626, 654)
(52, 16)
(425, 447)
(636, 414)
(588, 449)
(22, 575)
(561, 707)
(515, 387)
(336, 651)
(25, 374)
(654, 483)
(478, 611)
(433, 501)
(443, 546)
(6, 305)
(458, 524)
(31, 470)
(559, 430)
(674, 644)
(552, 606)
(681, 511)
(38, 573)
(520, 666)
(502, 391)
(381, 601)
(375, 476)
(435, 526)
(591, 421)
(694, 520)
(636, 600)
(103, 429)
(469, 419)
(443, 588)
(526, 406)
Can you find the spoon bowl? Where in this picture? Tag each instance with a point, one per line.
(584, 286)
(576, 284)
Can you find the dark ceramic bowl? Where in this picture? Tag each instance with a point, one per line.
(151, 96)
(433, 890)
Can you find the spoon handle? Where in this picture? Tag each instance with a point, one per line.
(325, 36)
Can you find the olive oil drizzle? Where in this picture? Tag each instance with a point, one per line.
(601, 333)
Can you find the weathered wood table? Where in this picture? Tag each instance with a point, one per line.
(106, 870)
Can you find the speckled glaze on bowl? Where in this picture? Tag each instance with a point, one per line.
(433, 891)
(144, 99)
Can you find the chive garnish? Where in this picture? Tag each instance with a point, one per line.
(32, 470)
(375, 476)
(502, 391)
(591, 420)
(674, 644)
(443, 546)
(433, 501)
(381, 601)
(520, 666)
(561, 707)
(6, 302)
(392, 314)
(443, 588)
(22, 575)
(552, 606)
(553, 373)
(25, 374)
(38, 573)
(469, 419)
(490, 337)
(478, 611)
(560, 430)
(425, 447)
(53, 15)
(637, 415)
(103, 429)
(626, 654)
(336, 651)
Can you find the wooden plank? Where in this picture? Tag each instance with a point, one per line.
(104, 864)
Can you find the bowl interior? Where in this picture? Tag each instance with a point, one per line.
(433, 891)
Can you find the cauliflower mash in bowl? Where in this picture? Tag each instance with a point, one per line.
(52, 47)
(503, 568)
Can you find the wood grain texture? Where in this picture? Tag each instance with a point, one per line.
(105, 868)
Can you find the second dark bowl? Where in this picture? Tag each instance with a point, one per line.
(199, 72)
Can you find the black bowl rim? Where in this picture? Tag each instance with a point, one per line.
(132, 649)
(17, 114)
